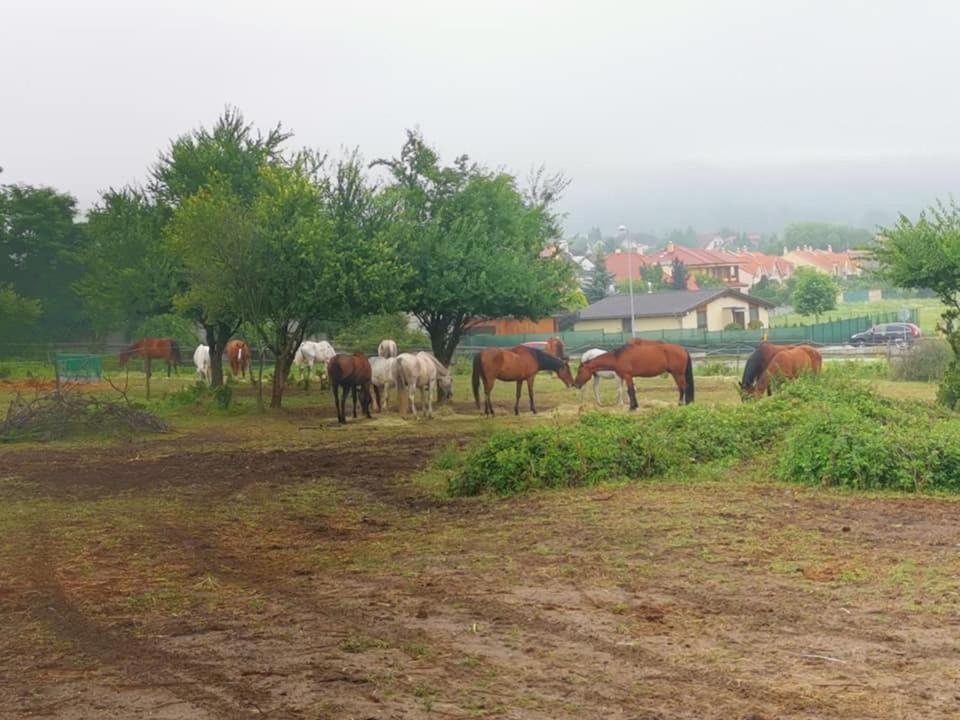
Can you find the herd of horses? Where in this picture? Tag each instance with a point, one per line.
(368, 378)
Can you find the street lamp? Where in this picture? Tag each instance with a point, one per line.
(623, 231)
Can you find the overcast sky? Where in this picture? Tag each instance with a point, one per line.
(749, 114)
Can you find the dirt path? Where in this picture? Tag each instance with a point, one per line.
(320, 582)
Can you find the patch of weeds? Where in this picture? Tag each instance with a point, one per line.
(360, 644)
(416, 650)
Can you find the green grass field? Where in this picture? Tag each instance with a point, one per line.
(929, 311)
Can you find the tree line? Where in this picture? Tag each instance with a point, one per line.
(230, 226)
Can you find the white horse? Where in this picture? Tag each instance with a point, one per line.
(601, 374)
(311, 353)
(418, 372)
(444, 378)
(201, 360)
(387, 349)
(384, 376)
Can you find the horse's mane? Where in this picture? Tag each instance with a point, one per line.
(545, 360)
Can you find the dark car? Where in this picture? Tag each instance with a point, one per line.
(898, 332)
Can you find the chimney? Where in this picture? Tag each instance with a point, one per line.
(829, 248)
(670, 246)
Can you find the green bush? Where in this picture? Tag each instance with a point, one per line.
(201, 394)
(949, 392)
(755, 325)
(715, 368)
(927, 361)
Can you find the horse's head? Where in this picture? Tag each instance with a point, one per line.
(583, 375)
(563, 372)
(124, 357)
(747, 392)
(445, 382)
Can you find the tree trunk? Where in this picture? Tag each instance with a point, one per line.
(445, 332)
(279, 380)
(217, 343)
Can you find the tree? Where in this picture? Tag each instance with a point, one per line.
(814, 292)
(40, 249)
(824, 235)
(16, 312)
(680, 274)
(600, 279)
(926, 255)
(708, 282)
(773, 291)
(474, 242)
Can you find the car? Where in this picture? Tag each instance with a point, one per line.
(886, 334)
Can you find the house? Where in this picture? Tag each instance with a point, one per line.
(837, 264)
(511, 326)
(756, 265)
(720, 264)
(674, 310)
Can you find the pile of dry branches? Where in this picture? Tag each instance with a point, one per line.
(61, 414)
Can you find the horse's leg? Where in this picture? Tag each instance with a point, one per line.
(376, 394)
(516, 405)
(354, 401)
(619, 391)
(681, 382)
(631, 392)
(336, 402)
(596, 388)
(533, 408)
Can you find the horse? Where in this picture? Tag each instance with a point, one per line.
(387, 349)
(765, 352)
(788, 363)
(444, 376)
(416, 372)
(238, 353)
(150, 348)
(350, 372)
(643, 359)
(383, 377)
(520, 365)
(310, 353)
(201, 361)
(600, 374)
(554, 346)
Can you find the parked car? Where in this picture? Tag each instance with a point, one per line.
(898, 332)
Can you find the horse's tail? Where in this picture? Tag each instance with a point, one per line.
(475, 380)
(688, 376)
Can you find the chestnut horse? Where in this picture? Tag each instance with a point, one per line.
(643, 358)
(520, 364)
(788, 363)
(350, 372)
(758, 361)
(238, 353)
(165, 349)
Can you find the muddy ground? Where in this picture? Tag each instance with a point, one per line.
(166, 579)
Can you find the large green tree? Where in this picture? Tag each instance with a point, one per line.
(598, 286)
(17, 313)
(474, 242)
(926, 255)
(814, 293)
(40, 257)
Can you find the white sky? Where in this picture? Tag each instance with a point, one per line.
(662, 113)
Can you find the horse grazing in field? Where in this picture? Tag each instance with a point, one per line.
(201, 361)
(643, 359)
(150, 348)
(553, 346)
(311, 353)
(424, 372)
(600, 374)
(387, 349)
(788, 363)
(238, 353)
(346, 373)
(383, 376)
(519, 364)
(760, 359)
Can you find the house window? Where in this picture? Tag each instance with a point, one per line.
(702, 319)
(754, 313)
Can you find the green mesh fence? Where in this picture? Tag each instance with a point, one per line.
(72, 367)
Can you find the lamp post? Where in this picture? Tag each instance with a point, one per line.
(623, 231)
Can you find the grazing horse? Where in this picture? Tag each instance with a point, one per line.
(643, 359)
(387, 349)
(788, 363)
(383, 376)
(520, 365)
(600, 374)
(201, 361)
(444, 377)
(350, 372)
(421, 371)
(150, 348)
(238, 353)
(310, 353)
(758, 361)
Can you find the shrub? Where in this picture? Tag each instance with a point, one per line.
(926, 361)
(949, 392)
(733, 326)
(715, 368)
(755, 325)
(200, 394)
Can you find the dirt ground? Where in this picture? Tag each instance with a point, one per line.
(195, 577)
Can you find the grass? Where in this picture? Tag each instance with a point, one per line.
(928, 309)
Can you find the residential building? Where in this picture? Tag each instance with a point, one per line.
(715, 263)
(674, 310)
(837, 264)
(756, 265)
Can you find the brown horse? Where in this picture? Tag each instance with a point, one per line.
(788, 363)
(520, 365)
(149, 348)
(760, 359)
(646, 358)
(350, 372)
(238, 353)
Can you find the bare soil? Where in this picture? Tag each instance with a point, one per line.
(181, 582)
